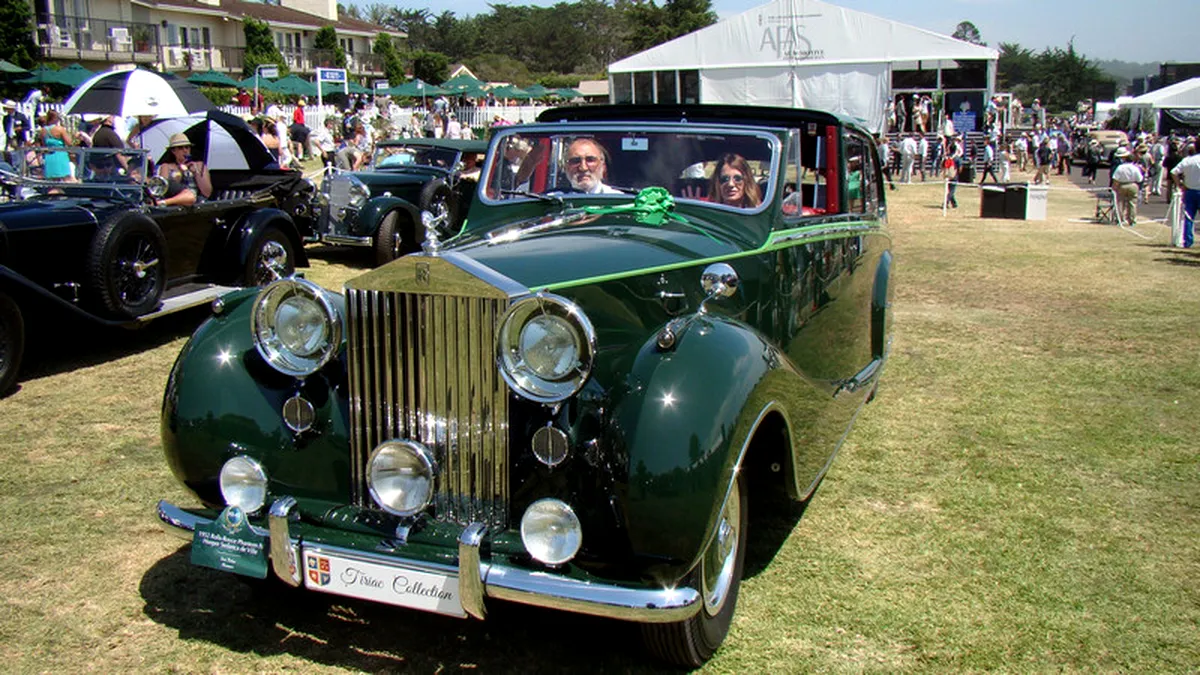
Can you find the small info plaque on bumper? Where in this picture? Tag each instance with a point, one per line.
(392, 584)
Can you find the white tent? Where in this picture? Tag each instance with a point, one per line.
(1179, 101)
(1184, 94)
(794, 53)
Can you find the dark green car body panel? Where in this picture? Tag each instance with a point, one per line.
(657, 434)
(398, 189)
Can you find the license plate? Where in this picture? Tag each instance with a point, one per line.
(393, 584)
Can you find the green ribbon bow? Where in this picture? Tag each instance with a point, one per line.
(652, 206)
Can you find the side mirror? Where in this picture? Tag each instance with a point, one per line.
(719, 280)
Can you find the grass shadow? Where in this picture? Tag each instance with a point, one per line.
(357, 257)
(773, 518)
(57, 345)
(266, 618)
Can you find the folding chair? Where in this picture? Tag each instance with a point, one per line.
(1106, 208)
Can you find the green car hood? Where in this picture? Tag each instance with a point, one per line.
(609, 246)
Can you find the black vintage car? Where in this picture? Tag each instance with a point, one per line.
(656, 320)
(95, 245)
(380, 206)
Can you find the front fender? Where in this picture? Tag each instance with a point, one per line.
(222, 399)
(376, 209)
(252, 225)
(685, 423)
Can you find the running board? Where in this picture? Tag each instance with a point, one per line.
(184, 301)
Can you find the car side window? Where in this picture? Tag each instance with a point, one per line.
(811, 174)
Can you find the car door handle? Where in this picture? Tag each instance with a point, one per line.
(860, 380)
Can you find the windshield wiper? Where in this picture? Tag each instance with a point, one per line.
(553, 199)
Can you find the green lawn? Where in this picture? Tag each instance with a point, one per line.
(1024, 494)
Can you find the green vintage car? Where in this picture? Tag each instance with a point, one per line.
(380, 205)
(653, 314)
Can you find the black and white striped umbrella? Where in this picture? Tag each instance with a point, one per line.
(221, 140)
(137, 92)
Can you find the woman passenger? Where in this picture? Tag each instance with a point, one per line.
(180, 167)
(733, 183)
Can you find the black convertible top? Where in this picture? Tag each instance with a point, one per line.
(720, 114)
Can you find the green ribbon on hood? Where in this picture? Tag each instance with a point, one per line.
(652, 206)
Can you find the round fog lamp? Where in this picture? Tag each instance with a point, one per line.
(400, 477)
(551, 532)
(244, 483)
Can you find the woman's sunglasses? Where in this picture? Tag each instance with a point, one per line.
(735, 178)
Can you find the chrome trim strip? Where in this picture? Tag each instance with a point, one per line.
(182, 524)
(285, 553)
(470, 571)
(530, 587)
(820, 231)
(541, 589)
(347, 240)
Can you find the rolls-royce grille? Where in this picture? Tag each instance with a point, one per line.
(422, 368)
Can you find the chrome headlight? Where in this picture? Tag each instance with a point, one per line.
(551, 532)
(400, 477)
(545, 348)
(244, 484)
(359, 193)
(297, 327)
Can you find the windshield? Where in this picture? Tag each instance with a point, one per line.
(725, 168)
(77, 165)
(393, 156)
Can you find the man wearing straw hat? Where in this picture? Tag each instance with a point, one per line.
(1126, 179)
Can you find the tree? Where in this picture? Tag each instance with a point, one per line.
(326, 39)
(652, 25)
(260, 47)
(16, 21)
(433, 67)
(1059, 77)
(967, 32)
(351, 11)
(393, 66)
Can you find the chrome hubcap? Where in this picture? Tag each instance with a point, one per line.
(720, 558)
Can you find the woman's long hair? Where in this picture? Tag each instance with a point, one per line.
(751, 194)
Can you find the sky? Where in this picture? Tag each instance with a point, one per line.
(1140, 31)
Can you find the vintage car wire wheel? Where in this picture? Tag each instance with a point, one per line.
(127, 265)
(690, 643)
(272, 251)
(12, 342)
(438, 199)
(389, 239)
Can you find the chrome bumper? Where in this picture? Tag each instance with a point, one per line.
(478, 579)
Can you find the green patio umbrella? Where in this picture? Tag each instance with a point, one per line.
(471, 91)
(263, 84)
(509, 91)
(10, 69)
(74, 75)
(44, 75)
(215, 78)
(538, 91)
(568, 93)
(356, 88)
(294, 85)
(461, 82)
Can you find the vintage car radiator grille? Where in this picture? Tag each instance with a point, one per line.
(422, 368)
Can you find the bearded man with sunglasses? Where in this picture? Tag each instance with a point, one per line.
(587, 167)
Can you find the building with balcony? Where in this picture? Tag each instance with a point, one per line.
(196, 35)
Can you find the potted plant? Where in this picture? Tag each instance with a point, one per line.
(141, 35)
